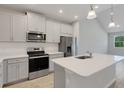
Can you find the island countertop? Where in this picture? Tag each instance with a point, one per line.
(87, 67)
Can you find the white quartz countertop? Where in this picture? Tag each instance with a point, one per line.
(53, 53)
(87, 67)
(4, 57)
(10, 53)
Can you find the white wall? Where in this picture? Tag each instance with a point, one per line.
(75, 38)
(104, 18)
(92, 37)
(111, 49)
(24, 45)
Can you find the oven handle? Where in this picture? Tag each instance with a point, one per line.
(37, 57)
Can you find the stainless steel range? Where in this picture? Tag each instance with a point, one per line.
(38, 62)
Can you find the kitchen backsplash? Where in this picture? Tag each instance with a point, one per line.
(48, 47)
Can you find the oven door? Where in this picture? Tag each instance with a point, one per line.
(38, 63)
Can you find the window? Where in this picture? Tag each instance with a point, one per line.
(119, 41)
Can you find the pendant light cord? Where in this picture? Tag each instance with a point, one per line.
(112, 13)
(91, 6)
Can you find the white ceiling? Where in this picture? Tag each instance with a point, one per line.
(104, 18)
(51, 10)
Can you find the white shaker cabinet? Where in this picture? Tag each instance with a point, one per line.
(52, 31)
(56, 34)
(36, 22)
(5, 27)
(23, 70)
(51, 57)
(17, 69)
(66, 30)
(1, 75)
(12, 72)
(19, 23)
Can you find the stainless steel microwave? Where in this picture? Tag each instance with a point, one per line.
(33, 36)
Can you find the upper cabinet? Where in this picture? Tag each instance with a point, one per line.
(66, 30)
(36, 22)
(19, 29)
(5, 27)
(14, 27)
(52, 31)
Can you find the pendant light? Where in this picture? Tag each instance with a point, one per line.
(112, 23)
(92, 13)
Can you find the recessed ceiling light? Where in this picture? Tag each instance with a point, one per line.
(76, 17)
(96, 7)
(60, 11)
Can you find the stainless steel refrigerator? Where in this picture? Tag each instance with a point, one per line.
(65, 45)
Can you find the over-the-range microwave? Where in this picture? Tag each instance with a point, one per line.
(34, 36)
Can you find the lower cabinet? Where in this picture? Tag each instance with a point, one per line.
(51, 57)
(12, 72)
(1, 75)
(17, 69)
(23, 70)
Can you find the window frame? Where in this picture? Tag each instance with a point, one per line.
(114, 41)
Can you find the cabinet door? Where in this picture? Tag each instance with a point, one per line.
(52, 31)
(12, 74)
(63, 29)
(19, 28)
(69, 29)
(1, 74)
(49, 31)
(66, 30)
(23, 70)
(56, 36)
(51, 63)
(36, 22)
(5, 27)
(43, 24)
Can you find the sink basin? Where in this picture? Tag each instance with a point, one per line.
(83, 57)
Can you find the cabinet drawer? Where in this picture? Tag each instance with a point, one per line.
(15, 60)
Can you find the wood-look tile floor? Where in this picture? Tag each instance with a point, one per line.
(43, 82)
(48, 81)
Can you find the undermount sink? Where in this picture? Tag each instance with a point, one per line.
(83, 57)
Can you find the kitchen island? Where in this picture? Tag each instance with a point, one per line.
(96, 72)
